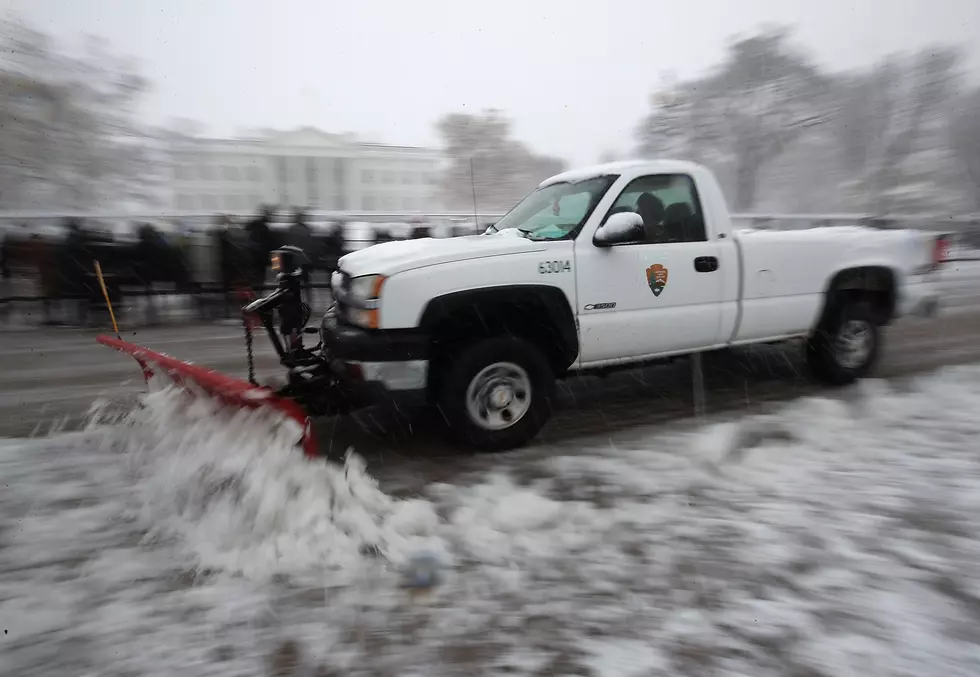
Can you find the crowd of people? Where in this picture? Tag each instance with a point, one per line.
(243, 250)
(239, 255)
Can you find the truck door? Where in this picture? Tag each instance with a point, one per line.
(655, 296)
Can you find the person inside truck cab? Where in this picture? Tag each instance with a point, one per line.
(651, 210)
(677, 222)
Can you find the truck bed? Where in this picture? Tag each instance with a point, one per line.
(784, 273)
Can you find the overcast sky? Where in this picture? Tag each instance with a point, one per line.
(574, 76)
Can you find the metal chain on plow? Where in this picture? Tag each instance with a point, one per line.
(247, 296)
(248, 350)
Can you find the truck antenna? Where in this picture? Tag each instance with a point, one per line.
(476, 222)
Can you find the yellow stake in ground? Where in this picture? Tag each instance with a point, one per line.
(108, 303)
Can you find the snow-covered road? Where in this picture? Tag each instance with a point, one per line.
(830, 537)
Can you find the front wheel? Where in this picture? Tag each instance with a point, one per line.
(497, 394)
(845, 347)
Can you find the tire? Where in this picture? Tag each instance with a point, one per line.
(508, 419)
(828, 354)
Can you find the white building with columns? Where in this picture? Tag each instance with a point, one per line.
(305, 168)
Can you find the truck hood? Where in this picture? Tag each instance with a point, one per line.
(390, 258)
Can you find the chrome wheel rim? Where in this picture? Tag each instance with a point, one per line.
(498, 396)
(854, 343)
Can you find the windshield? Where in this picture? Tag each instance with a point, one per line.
(558, 210)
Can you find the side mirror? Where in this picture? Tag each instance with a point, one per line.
(619, 228)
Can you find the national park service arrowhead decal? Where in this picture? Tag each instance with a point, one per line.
(657, 278)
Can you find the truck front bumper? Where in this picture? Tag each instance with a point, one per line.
(379, 365)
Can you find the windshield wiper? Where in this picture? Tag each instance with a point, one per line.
(529, 235)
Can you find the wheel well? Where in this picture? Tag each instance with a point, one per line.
(538, 314)
(874, 285)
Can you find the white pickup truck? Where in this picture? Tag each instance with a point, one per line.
(605, 267)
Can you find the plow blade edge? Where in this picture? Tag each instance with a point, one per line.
(232, 391)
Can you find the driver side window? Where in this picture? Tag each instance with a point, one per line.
(668, 205)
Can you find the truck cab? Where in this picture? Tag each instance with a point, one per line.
(654, 261)
(605, 267)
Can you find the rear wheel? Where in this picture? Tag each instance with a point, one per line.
(846, 346)
(496, 395)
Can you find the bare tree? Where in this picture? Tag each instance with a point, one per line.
(765, 96)
(762, 98)
(681, 124)
(872, 141)
(485, 159)
(609, 155)
(29, 111)
(69, 137)
(965, 144)
(891, 116)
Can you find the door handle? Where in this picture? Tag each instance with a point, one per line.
(706, 264)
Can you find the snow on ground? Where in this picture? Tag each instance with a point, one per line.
(831, 537)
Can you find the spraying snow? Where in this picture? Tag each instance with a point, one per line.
(232, 485)
(832, 537)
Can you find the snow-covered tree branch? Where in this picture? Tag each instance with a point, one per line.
(761, 99)
(776, 128)
(891, 131)
(68, 131)
(484, 157)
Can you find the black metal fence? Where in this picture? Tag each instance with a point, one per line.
(140, 306)
(203, 295)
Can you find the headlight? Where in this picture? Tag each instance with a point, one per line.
(364, 298)
(365, 319)
(366, 291)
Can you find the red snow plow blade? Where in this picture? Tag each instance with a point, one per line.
(232, 391)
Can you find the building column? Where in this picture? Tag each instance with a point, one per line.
(351, 190)
(312, 189)
(282, 181)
